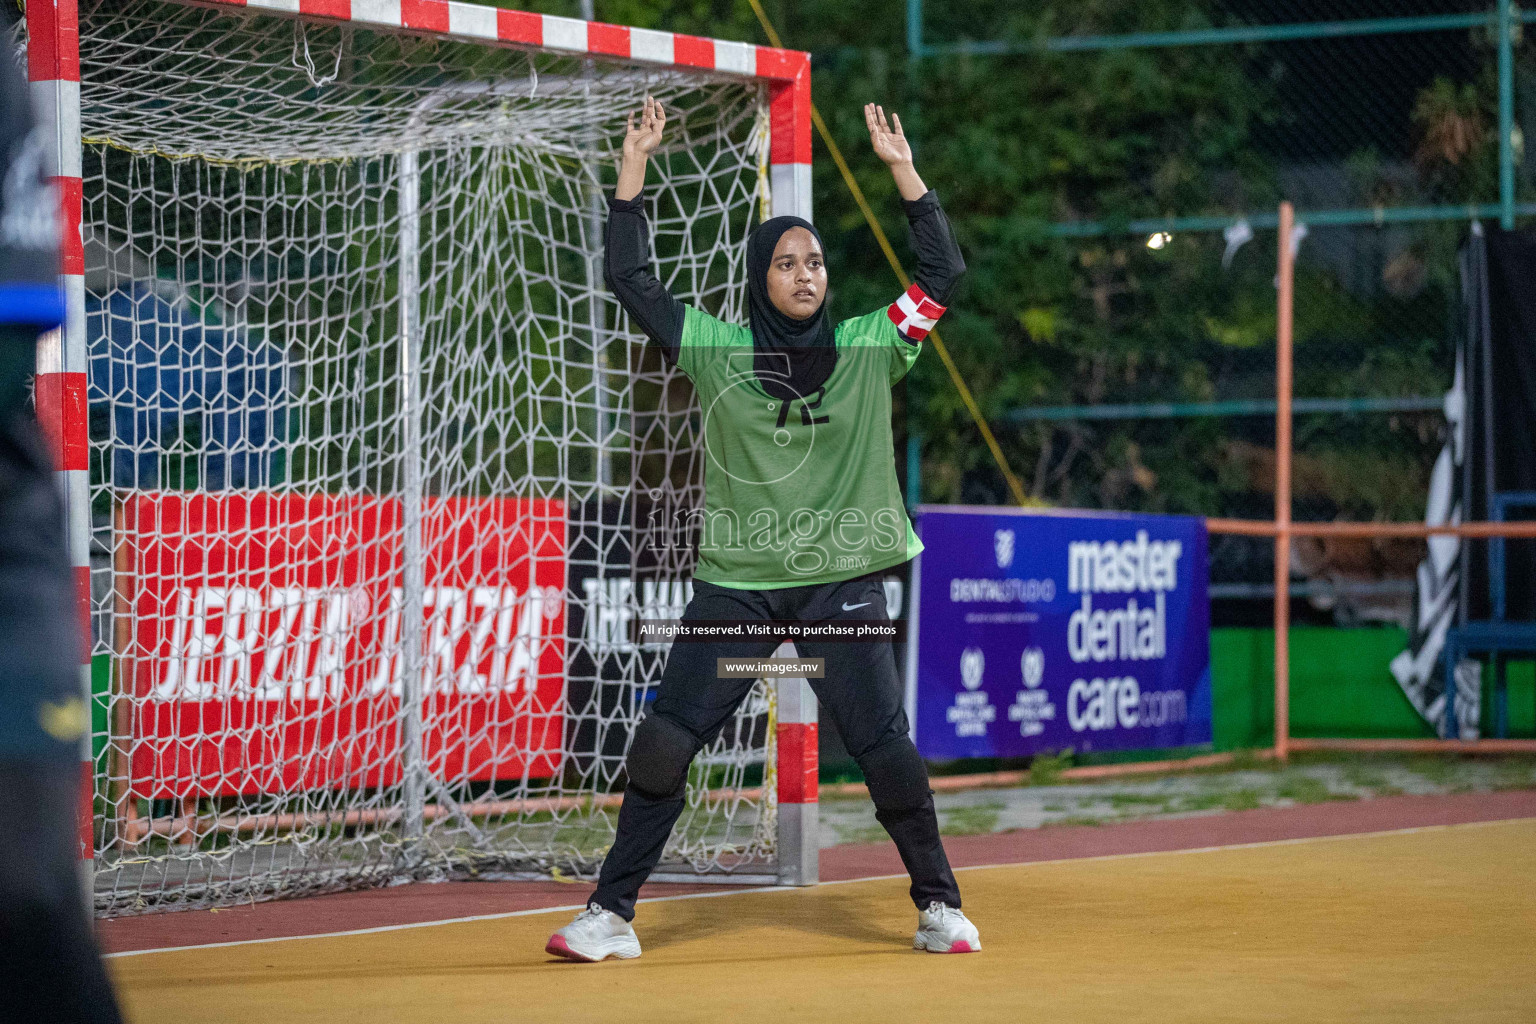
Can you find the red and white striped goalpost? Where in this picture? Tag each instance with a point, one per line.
(53, 64)
(53, 71)
(798, 843)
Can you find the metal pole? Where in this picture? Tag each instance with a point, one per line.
(798, 767)
(1283, 488)
(1229, 407)
(1490, 488)
(414, 568)
(1342, 218)
(1474, 289)
(53, 76)
(798, 817)
(915, 28)
(1506, 117)
(1217, 36)
(603, 469)
(914, 466)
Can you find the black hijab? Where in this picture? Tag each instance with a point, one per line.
(791, 358)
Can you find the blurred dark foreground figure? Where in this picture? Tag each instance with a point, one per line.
(50, 968)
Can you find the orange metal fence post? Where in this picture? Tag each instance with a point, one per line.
(1283, 488)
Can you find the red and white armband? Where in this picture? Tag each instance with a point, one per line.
(914, 313)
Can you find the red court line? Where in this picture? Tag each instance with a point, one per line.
(414, 904)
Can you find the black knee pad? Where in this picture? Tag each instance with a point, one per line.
(659, 757)
(896, 776)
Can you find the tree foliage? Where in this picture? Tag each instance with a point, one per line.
(1016, 143)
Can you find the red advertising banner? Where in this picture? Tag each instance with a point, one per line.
(267, 646)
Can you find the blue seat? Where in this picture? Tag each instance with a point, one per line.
(1495, 636)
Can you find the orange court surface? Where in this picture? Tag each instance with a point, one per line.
(1330, 913)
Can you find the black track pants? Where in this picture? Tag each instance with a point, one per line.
(861, 690)
(50, 970)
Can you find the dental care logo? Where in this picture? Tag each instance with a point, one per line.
(1002, 546)
(1032, 666)
(972, 711)
(972, 662)
(1031, 706)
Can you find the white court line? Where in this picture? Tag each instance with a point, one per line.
(434, 924)
(1263, 844)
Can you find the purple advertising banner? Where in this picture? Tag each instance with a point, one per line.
(1051, 632)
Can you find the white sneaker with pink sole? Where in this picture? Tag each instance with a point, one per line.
(944, 929)
(596, 934)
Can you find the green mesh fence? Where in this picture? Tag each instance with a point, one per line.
(1150, 144)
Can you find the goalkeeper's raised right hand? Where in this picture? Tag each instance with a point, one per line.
(640, 141)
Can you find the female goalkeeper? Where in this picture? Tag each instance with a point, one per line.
(802, 515)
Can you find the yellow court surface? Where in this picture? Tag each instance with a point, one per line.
(1435, 924)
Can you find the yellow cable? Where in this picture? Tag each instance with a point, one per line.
(901, 275)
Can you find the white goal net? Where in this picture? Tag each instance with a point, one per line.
(372, 447)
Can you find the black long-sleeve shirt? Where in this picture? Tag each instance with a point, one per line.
(659, 314)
